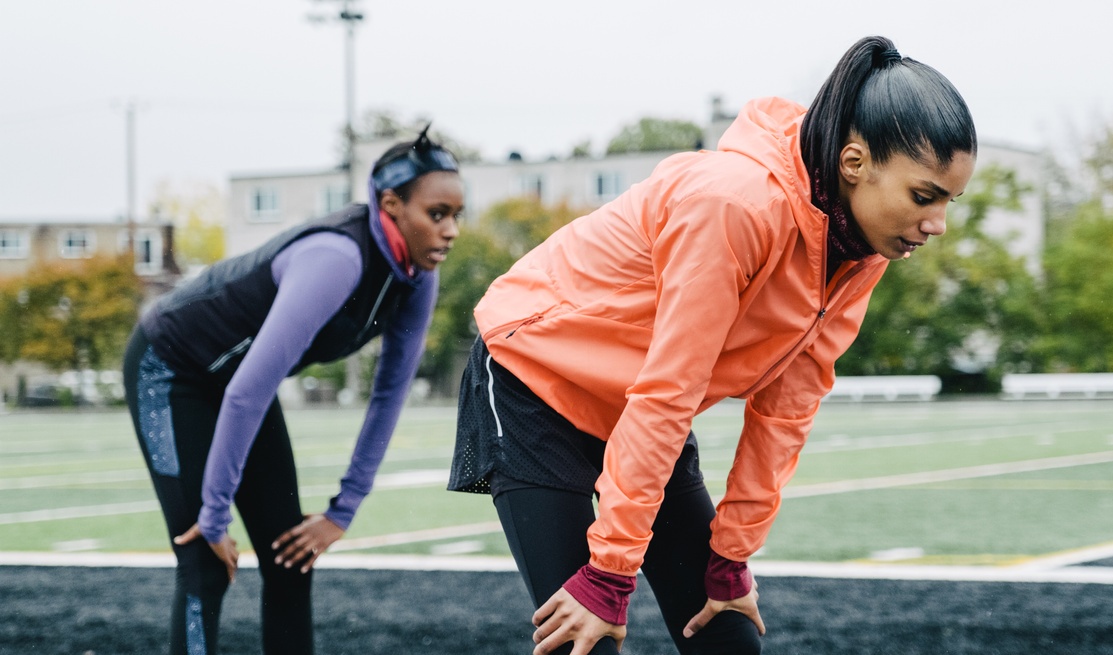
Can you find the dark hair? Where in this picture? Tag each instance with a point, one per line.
(896, 104)
(403, 164)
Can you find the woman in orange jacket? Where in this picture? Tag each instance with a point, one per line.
(743, 273)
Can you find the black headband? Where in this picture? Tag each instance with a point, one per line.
(423, 157)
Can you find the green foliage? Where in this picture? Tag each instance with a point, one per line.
(385, 124)
(198, 215)
(1078, 331)
(963, 302)
(199, 242)
(481, 253)
(1076, 334)
(70, 317)
(654, 134)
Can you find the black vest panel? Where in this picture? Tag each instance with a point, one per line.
(206, 325)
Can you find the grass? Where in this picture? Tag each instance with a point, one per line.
(51, 462)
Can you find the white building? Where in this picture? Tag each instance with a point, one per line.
(30, 242)
(262, 205)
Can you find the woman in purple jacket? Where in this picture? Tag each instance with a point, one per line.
(203, 367)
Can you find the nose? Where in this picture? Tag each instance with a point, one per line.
(935, 223)
(450, 229)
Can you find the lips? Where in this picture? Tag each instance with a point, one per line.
(908, 246)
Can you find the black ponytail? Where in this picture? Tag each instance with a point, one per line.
(896, 104)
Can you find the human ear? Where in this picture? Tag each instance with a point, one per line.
(852, 160)
(391, 203)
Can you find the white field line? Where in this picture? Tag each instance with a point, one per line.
(1074, 575)
(82, 512)
(417, 536)
(401, 480)
(945, 475)
(62, 480)
(1077, 575)
(837, 443)
(431, 477)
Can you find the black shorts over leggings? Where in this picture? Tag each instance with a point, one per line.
(541, 471)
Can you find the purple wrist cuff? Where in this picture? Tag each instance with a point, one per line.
(726, 579)
(606, 595)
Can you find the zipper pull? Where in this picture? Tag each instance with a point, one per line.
(531, 319)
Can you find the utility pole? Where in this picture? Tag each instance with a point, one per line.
(129, 108)
(129, 113)
(350, 16)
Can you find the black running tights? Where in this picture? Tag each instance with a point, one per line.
(267, 501)
(546, 530)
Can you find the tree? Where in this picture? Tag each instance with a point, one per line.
(517, 225)
(655, 134)
(198, 213)
(475, 262)
(1077, 334)
(963, 304)
(1078, 330)
(385, 124)
(481, 253)
(70, 317)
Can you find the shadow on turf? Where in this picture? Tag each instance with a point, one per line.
(108, 611)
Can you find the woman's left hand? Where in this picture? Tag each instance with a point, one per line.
(746, 605)
(304, 543)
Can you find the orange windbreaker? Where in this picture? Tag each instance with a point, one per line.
(705, 281)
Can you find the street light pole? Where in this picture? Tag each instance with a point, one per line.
(351, 17)
(130, 114)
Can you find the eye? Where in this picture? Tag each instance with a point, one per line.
(437, 215)
(458, 216)
(921, 199)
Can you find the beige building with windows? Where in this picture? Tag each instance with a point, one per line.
(26, 244)
(261, 205)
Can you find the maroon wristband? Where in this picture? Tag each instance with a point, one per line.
(605, 595)
(726, 579)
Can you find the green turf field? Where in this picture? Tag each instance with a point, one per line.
(955, 482)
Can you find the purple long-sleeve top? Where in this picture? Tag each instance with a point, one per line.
(314, 276)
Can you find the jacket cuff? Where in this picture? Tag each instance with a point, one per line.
(606, 595)
(726, 579)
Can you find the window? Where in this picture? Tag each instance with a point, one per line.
(148, 250)
(264, 204)
(333, 198)
(13, 244)
(608, 185)
(531, 184)
(77, 244)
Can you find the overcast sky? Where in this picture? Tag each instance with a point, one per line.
(239, 86)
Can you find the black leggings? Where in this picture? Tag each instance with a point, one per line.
(267, 501)
(546, 530)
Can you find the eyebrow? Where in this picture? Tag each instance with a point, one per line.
(937, 189)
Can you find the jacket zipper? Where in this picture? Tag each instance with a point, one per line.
(815, 324)
(528, 321)
(375, 308)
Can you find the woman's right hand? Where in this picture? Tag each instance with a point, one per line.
(225, 549)
(563, 619)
